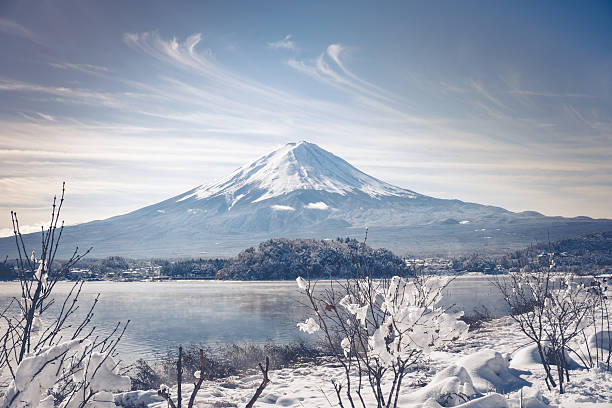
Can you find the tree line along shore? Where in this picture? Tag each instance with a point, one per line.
(285, 259)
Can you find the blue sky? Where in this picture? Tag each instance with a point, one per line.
(133, 102)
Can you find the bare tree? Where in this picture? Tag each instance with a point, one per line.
(44, 344)
(551, 310)
(597, 349)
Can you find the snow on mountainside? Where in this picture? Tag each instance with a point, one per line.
(303, 191)
(293, 167)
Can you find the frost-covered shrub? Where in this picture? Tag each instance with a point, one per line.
(477, 318)
(386, 327)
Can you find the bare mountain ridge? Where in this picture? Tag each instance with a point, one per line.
(302, 190)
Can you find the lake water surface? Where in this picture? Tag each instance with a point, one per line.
(166, 314)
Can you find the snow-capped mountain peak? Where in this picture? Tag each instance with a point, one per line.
(293, 167)
(302, 191)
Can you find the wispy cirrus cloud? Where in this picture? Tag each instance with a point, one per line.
(225, 92)
(516, 88)
(15, 29)
(479, 87)
(549, 94)
(87, 68)
(336, 52)
(339, 76)
(188, 55)
(46, 116)
(330, 68)
(590, 118)
(173, 51)
(62, 93)
(219, 105)
(286, 43)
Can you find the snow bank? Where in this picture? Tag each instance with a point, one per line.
(488, 401)
(528, 358)
(592, 388)
(477, 373)
(531, 398)
(137, 399)
(36, 374)
(490, 371)
(601, 340)
(453, 385)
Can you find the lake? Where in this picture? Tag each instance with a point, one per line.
(166, 314)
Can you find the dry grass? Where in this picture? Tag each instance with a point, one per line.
(220, 362)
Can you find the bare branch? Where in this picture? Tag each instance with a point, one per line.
(263, 384)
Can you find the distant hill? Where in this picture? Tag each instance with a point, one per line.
(280, 259)
(585, 254)
(303, 191)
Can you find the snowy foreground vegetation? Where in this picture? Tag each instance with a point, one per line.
(478, 366)
(390, 346)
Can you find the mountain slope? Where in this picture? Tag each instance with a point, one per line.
(301, 190)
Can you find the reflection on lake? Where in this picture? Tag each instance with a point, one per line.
(166, 314)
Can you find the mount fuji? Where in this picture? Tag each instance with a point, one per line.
(302, 190)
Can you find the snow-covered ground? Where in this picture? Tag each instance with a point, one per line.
(495, 361)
